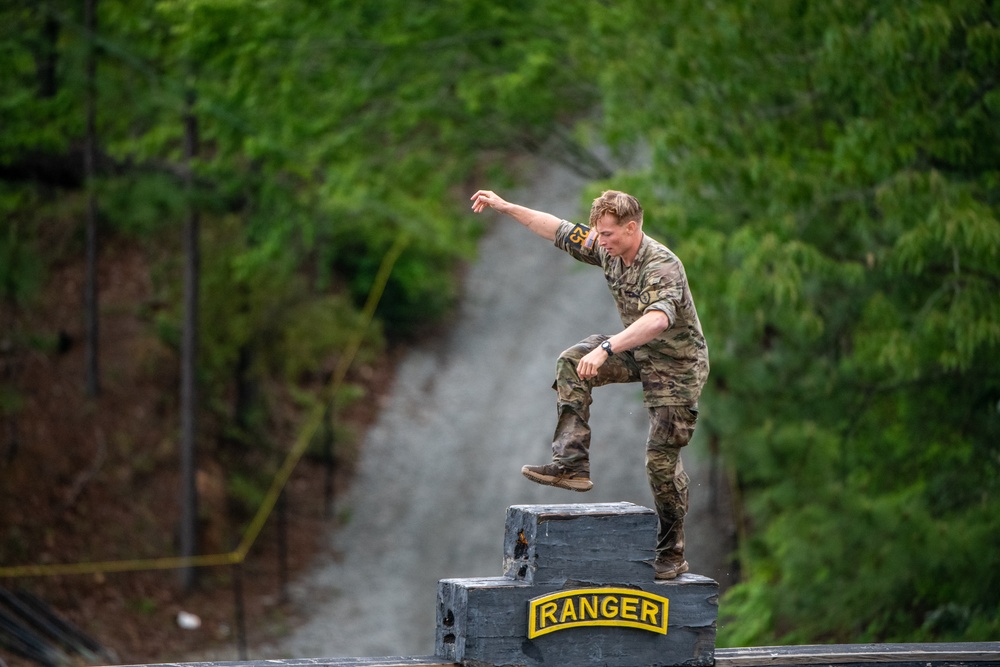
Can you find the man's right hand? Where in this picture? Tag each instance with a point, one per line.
(484, 199)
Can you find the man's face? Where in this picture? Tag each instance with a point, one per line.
(615, 238)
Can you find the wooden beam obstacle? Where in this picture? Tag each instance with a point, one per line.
(578, 589)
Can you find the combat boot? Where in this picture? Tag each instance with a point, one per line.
(665, 569)
(553, 474)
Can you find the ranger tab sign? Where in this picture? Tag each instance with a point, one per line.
(615, 607)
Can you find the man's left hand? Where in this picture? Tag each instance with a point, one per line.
(591, 363)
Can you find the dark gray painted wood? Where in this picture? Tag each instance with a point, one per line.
(969, 654)
(485, 621)
(973, 654)
(977, 654)
(596, 542)
(553, 548)
(406, 661)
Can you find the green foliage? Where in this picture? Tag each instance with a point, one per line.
(828, 171)
(144, 205)
(326, 131)
(318, 332)
(20, 266)
(247, 490)
(34, 116)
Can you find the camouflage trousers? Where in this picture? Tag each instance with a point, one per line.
(670, 428)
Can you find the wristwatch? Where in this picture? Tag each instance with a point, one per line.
(606, 346)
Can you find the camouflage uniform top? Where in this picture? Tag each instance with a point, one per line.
(674, 365)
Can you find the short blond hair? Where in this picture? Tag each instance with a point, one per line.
(622, 206)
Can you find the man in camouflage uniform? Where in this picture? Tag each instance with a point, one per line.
(662, 346)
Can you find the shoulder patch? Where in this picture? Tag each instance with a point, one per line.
(580, 237)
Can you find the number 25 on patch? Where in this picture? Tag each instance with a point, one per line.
(581, 236)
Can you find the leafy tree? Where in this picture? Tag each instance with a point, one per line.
(829, 172)
(92, 371)
(327, 131)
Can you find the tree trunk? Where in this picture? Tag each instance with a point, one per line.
(189, 358)
(47, 58)
(91, 307)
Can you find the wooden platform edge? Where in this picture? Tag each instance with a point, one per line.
(965, 653)
(416, 661)
(973, 654)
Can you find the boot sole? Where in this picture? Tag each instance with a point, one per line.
(684, 567)
(580, 485)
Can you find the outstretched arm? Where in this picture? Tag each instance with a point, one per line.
(541, 223)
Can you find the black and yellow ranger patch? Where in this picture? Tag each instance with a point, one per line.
(616, 607)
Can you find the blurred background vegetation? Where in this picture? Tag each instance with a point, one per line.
(829, 172)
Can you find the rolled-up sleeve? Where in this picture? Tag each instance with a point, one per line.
(577, 241)
(662, 293)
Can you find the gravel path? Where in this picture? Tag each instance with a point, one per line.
(442, 463)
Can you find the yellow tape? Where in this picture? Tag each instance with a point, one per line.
(277, 484)
(309, 430)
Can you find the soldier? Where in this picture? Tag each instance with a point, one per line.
(661, 346)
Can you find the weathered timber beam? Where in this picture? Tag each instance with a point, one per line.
(952, 654)
(418, 661)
